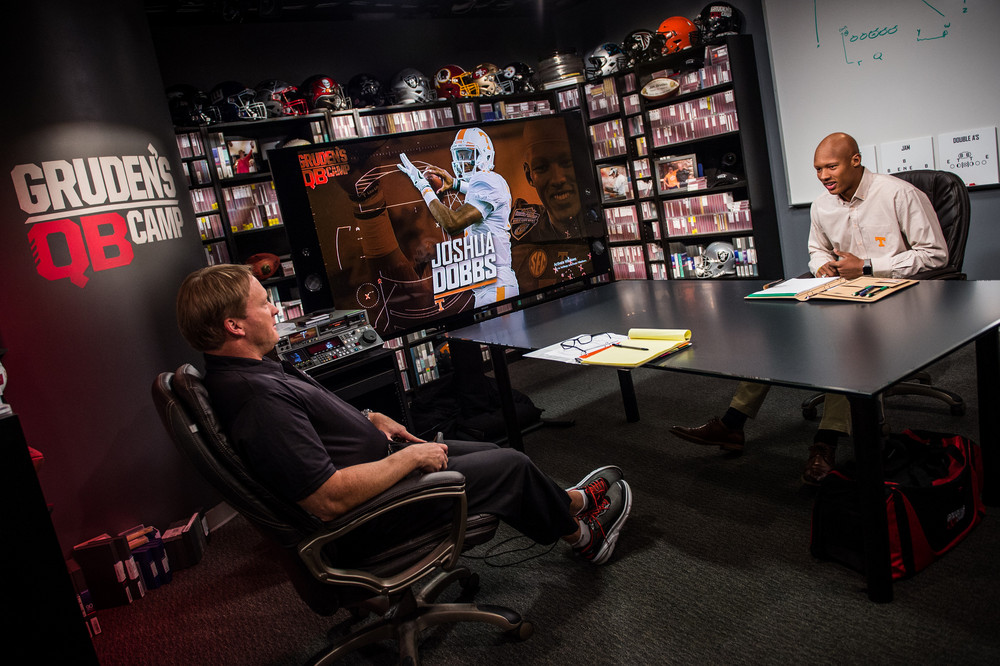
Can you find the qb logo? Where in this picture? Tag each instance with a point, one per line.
(90, 212)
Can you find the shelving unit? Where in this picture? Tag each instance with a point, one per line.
(684, 223)
(233, 196)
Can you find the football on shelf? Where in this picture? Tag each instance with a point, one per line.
(265, 265)
(659, 88)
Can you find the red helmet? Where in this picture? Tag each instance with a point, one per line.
(322, 92)
(453, 81)
(677, 31)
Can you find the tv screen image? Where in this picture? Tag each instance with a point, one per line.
(371, 241)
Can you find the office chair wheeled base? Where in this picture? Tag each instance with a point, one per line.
(410, 614)
(919, 383)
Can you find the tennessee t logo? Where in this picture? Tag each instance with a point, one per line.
(880, 240)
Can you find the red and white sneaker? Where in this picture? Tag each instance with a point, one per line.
(596, 484)
(605, 521)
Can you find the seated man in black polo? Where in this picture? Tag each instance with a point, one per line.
(310, 447)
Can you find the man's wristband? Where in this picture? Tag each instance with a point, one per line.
(367, 413)
(428, 194)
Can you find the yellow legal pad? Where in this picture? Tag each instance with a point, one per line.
(641, 346)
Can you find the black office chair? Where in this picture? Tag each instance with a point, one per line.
(950, 198)
(308, 547)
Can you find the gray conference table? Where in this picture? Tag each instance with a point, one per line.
(855, 349)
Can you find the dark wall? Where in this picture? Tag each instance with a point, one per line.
(88, 285)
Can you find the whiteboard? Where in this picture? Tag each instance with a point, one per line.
(881, 70)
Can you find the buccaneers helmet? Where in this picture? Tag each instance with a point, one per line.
(677, 32)
(322, 92)
(471, 151)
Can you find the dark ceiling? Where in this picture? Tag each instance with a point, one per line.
(248, 11)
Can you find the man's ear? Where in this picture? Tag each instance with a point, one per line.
(527, 174)
(233, 327)
(856, 160)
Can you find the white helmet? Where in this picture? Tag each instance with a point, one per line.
(472, 150)
(606, 59)
(410, 86)
(716, 260)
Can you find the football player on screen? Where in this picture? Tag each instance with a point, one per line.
(487, 205)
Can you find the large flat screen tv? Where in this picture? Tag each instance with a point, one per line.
(362, 235)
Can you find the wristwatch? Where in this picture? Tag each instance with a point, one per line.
(367, 413)
(867, 268)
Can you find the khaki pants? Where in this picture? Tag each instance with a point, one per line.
(836, 408)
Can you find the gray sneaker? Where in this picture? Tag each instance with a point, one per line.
(596, 484)
(605, 522)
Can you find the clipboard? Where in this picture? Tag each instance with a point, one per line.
(865, 289)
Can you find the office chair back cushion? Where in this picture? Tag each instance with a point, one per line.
(950, 198)
(186, 411)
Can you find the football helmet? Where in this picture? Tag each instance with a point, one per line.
(281, 99)
(187, 105)
(485, 76)
(642, 46)
(452, 81)
(410, 86)
(606, 59)
(717, 20)
(471, 151)
(677, 31)
(716, 260)
(366, 90)
(322, 92)
(517, 77)
(232, 101)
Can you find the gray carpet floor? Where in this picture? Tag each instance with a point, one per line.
(713, 566)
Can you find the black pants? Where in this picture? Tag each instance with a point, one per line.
(498, 481)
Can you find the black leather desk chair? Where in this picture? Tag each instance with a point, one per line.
(307, 547)
(950, 198)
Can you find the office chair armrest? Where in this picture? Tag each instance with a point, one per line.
(412, 489)
(943, 273)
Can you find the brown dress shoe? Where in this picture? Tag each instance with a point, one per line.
(713, 433)
(821, 459)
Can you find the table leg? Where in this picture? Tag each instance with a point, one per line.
(988, 391)
(628, 395)
(871, 491)
(498, 354)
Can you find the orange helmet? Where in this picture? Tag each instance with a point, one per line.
(677, 31)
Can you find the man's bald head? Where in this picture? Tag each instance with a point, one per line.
(838, 164)
(840, 143)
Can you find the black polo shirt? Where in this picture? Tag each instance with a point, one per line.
(292, 432)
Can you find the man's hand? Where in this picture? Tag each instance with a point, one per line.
(391, 429)
(427, 456)
(849, 266)
(447, 182)
(417, 178)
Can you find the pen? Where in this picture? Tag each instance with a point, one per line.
(629, 347)
(875, 290)
(864, 292)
